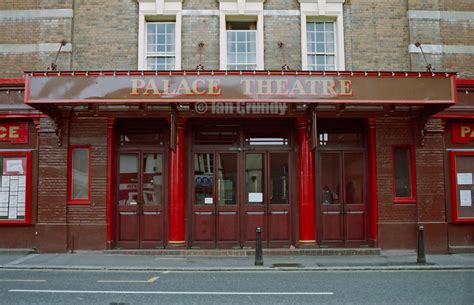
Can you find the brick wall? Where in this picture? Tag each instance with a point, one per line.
(201, 4)
(286, 30)
(32, 30)
(195, 30)
(391, 131)
(91, 131)
(453, 31)
(105, 35)
(376, 35)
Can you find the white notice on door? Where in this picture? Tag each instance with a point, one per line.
(465, 198)
(464, 178)
(208, 200)
(15, 166)
(255, 197)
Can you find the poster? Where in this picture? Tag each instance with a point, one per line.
(464, 178)
(13, 184)
(465, 198)
(5, 183)
(208, 200)
(255, 197)
(22, 182)
(13, 166)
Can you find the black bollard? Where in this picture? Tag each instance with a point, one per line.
(258, 247)
(420, 256)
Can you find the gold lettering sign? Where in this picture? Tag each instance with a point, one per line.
(14, 133)
(249, 87)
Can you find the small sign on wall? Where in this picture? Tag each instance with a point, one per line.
(16, 133)
(462, 133)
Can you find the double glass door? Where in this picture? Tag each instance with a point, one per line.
(140, 219)
(233, 193)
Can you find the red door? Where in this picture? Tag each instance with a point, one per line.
(342, 198)
(140, 219)
(215, 209)
(266, 203)
(234, 193)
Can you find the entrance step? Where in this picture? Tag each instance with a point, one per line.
(247, 252)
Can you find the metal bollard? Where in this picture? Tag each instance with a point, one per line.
(420, 255)
(258, 247)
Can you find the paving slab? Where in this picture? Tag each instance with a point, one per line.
(99, 260)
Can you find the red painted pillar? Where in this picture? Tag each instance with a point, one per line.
(373, 181)
(110, 183)
(307, 227)
(177, 189)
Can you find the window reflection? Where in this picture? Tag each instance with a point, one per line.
(254, 178)
(279, 178)
(227, 178)
(203, 178)
(152, 179)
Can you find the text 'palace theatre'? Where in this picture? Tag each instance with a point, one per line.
(124, 143)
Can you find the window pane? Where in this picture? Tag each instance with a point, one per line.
(254, 178)
(329, 26)
(330, 178)
(80, 173)
(152, 179)
(13, 187)
(204, 178)
(402, 172)
(279, 178)
(227, 179)
(354, 177)
(320, 26)
(319, 47)
(128, 179)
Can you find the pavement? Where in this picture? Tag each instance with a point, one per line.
(389, 260)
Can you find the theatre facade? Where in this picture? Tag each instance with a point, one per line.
(199, 159)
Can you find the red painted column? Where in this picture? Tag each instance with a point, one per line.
(373, 181)
(110, 217)
(177, 189)
(306, 206)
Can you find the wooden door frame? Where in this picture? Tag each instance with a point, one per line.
(243, 125)
(343, 149)
(137, 126)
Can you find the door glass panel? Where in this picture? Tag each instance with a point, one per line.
(204, 178)
(330, 179)
(254, 178)
(128, 179)
(279, 178)
(227, 178)
(354, 177)
(152, 179)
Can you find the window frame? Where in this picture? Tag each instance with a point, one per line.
(329, 10)
(412, 197)
(246, 53)
(230, 12)
(167, 11)
(324, 53)
(454, 189)
(159, 54)
(27, 220)
(82, 201)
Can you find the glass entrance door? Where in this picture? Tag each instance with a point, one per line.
(231, 200)
(140, 221)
